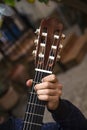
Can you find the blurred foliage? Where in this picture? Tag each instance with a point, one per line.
(45, 1)
(12, 2)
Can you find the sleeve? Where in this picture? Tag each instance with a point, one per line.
(69, 116)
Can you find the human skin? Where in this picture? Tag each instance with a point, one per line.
(49, 90)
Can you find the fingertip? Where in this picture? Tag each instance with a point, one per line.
(42, 80)
(29, 82)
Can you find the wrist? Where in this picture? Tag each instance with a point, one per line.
(53, 106)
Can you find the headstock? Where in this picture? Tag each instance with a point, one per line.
(48, 43)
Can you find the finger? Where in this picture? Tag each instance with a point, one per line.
(29, 82)
(47, 98)
(48, 85)
(45, 85)
(60, 86)
(49, 92)
(50, 78)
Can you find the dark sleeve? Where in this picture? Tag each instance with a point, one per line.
(12, 124)
(69, 116)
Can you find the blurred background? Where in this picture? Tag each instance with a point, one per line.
(18, 21)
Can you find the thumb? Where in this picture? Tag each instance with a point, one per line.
(29, 82)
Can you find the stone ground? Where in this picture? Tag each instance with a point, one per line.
(74, 89)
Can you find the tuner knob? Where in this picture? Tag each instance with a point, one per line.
(63, 36)
(36, 41)
(58, 56)
(60, 46)
(37, 31)
(34, 52)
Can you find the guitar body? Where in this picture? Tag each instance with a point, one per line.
(49, 36)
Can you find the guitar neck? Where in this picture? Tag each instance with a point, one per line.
(48, 47)
(35, 108)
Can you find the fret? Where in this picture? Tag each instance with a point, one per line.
(39, 105)
(32, 126)
(33, 114)
(27, 122)
(35, 82)
(35, 109)
(33, 99)
(36, 106)
(45, 71)
(35, 118)
(39, 75)
(33, 93)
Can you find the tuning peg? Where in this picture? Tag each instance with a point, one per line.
(37, 31)
(58, 57)
(34, 52)
(60, 46)
(63, 36)
(36, 41)
(44, 34)
(56, 36)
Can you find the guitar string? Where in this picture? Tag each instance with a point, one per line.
(50, 52)
(43, 74)
(27, 117)
(36, 76)
(28, 108)
(34, 96)
(31, 98)
(40, 74)
(50, 60)
(57, 44)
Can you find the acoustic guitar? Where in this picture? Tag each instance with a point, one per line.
(48, 42)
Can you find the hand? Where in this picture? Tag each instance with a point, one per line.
(49, 90)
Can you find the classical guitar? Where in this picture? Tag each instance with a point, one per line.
(49, 37)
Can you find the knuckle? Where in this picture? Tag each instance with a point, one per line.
(47, 91)
(38, 93)
(53, 77)
(46, 97)
(38, 97)
(61, 86)
(60, 93)
(47, 84)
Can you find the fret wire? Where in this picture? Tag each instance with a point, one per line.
(33, 93)
(38, 78)
(34, 114)
(27, 122)
(32, 89)
(25, 126)
(36, 104)
(40, 102)
(36, 81)
(36, 118)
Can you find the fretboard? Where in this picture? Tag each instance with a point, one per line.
(35, 108)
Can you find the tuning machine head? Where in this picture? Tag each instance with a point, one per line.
(34, 53)
(63, 36)
(60, 46)
(37, 31)
(58, 57)
(36, 42)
